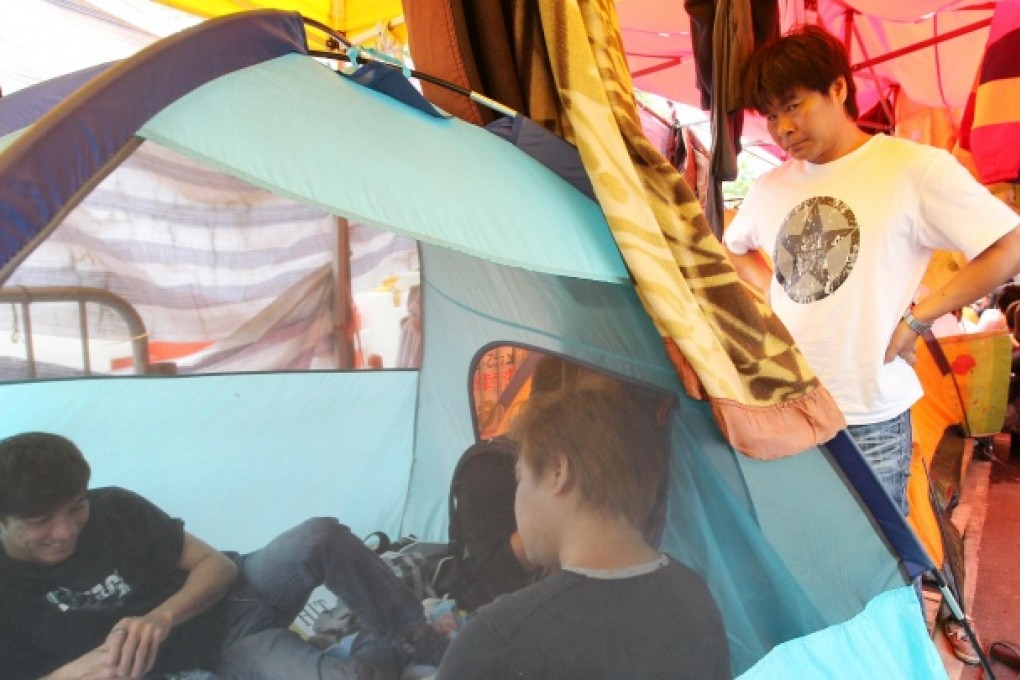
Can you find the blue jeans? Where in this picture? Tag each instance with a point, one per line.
(887, 448)
(274, 584)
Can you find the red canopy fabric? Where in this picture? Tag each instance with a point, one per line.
(656, 36)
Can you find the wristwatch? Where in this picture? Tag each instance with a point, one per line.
(919, 327)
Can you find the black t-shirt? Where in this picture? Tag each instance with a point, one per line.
(125, 564)
(660, 625)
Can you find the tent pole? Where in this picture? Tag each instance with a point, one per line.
(881, 93)
(848, 31)
(851, 31)
(343, 328)
(958, 614)
(664, 64)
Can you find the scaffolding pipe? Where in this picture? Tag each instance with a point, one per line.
(963, 30)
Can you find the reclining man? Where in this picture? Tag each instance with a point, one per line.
(590, 469)
(101, 583)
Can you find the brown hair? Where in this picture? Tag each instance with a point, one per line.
(1012, 315)
(807, 57)
(612, 442)
(39, 471)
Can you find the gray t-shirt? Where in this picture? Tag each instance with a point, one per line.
(660, 624)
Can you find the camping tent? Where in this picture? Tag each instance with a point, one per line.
(806, 555)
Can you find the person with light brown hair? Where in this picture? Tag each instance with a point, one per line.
(591, 467)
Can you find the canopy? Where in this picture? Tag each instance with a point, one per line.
(656, 35)
(942, 42)
(365, 22)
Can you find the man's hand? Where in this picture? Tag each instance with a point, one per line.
(903, 344)
(134, 643)
(96, 665)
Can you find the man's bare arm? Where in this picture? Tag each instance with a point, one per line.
(94, 665)
(980, 276)
(134, 642)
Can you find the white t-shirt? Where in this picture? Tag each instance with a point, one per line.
(850, 241)
(991, 320)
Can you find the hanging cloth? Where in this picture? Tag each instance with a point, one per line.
(492, 47)
(723, 34)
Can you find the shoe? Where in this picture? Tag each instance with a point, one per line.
(377, 659)
(960, 642)
(322, 641)
(427, 646)
(1007, 653)
(383, 663)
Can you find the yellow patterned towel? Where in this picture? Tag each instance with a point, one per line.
(725, 342)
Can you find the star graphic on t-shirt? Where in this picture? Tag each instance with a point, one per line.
(816, 249)
(810, 248)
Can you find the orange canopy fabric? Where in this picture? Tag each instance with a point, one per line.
(972, 395)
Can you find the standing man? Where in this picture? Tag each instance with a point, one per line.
(850, 221)
(590, 468)
(101, 583)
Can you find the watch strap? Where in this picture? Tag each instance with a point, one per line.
(919, 327)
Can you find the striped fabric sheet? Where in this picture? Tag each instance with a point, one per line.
(201, 255)
(991, 121)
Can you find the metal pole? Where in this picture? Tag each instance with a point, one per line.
(878, 81)
(922, 44)
(848, 28)
(26, 318)
(344, 326)
(83, 331)
(958, 614)
(80, 294)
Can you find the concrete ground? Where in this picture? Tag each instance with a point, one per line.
(989, 517)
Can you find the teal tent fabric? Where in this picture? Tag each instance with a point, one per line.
(97, 122)
(886, 640)
(505, 200)
(241, 457)
(469, 303)
(745, 524)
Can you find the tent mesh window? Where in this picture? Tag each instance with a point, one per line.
(209, 274)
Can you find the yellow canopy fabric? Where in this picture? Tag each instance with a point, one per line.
(370, 23)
